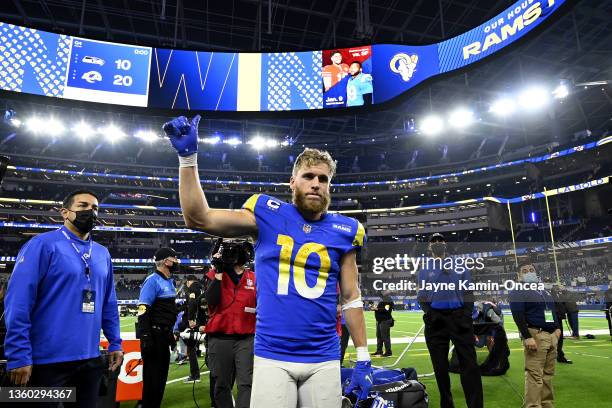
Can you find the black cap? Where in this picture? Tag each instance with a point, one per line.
(191, 278)
(163, 253)
(436, 237)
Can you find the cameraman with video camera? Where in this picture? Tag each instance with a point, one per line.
(230, 329)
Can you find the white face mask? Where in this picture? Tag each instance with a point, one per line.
(531, 277)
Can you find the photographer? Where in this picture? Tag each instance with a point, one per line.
(189, 322)
(231, 325)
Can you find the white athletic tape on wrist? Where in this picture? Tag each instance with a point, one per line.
(353, 304)
(188, 161)
(363, 354)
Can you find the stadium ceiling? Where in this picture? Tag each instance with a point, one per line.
(576, 48)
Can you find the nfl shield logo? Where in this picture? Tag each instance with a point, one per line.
(307, 228)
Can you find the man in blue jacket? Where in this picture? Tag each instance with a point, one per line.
(59, 297)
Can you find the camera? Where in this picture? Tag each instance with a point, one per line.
(192, 336)
(235, 252)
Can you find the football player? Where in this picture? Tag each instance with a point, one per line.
(359, 86)
(301, 253)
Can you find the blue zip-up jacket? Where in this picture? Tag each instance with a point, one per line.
(43, 304)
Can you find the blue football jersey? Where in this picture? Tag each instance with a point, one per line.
(357, 87)
(297, 263)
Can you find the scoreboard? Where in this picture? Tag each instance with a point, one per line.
(55, 65)
(108, 72)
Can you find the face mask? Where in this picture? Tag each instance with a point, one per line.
(530, 277)
(84, 220)
(438, 248)
(174, 268)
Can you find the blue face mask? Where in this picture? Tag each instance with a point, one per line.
(531, 277)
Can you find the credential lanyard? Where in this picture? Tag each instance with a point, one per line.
(84, 256)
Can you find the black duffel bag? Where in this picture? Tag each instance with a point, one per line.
(397, 394)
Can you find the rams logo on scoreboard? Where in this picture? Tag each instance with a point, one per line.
(404, 65)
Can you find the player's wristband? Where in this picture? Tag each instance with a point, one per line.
(363, 354)
(188, 161)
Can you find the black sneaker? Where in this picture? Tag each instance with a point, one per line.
(564, 360)
(387, 354)
(190, 380)
(377, 354)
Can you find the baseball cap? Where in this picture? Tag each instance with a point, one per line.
(165, 252)
(437, 237)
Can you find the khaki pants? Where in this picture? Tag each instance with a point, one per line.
(539, 370)
(280, 384)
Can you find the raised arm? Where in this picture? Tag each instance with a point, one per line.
(183, 135)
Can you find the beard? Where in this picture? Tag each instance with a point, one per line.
(312, 206)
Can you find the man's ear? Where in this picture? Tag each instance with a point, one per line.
(292, 182)
(64, 213)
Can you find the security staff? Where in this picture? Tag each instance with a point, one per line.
(190, 318)
(448, 317)
(231, 322)
(384, 322)
(60, 295)
(156, 316)
(539, 338)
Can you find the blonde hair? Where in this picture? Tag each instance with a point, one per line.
(312, 157)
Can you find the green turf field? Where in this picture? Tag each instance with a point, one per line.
(586, 383)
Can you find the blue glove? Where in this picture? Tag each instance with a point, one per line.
(183, 134)
(361, 379)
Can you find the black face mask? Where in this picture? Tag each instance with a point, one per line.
(438, 249)
(84, 220)
(174, 268)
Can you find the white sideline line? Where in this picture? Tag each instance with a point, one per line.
(182, 378)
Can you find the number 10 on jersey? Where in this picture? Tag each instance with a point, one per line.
(299, 267)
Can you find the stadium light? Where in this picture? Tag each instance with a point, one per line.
(560, 92)
(54, 127)
(432, 125)
(83, 130)
(259, 143)
(112, 133)
(35, 124)
(234, 141)
(211, 140)
(461, 118)
(533, 98)
(146, 135)
(503, 107)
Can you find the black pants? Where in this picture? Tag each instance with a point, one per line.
(383, 336)
(85, 375)
(608, 317)
(440, 328)
(194, 367)
(560, 353)
(344, 342)
(155, 363)
(231, 358)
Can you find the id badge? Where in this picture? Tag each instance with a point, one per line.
(88, 303)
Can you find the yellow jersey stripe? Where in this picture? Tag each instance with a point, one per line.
(251, 202)
(359, 235)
